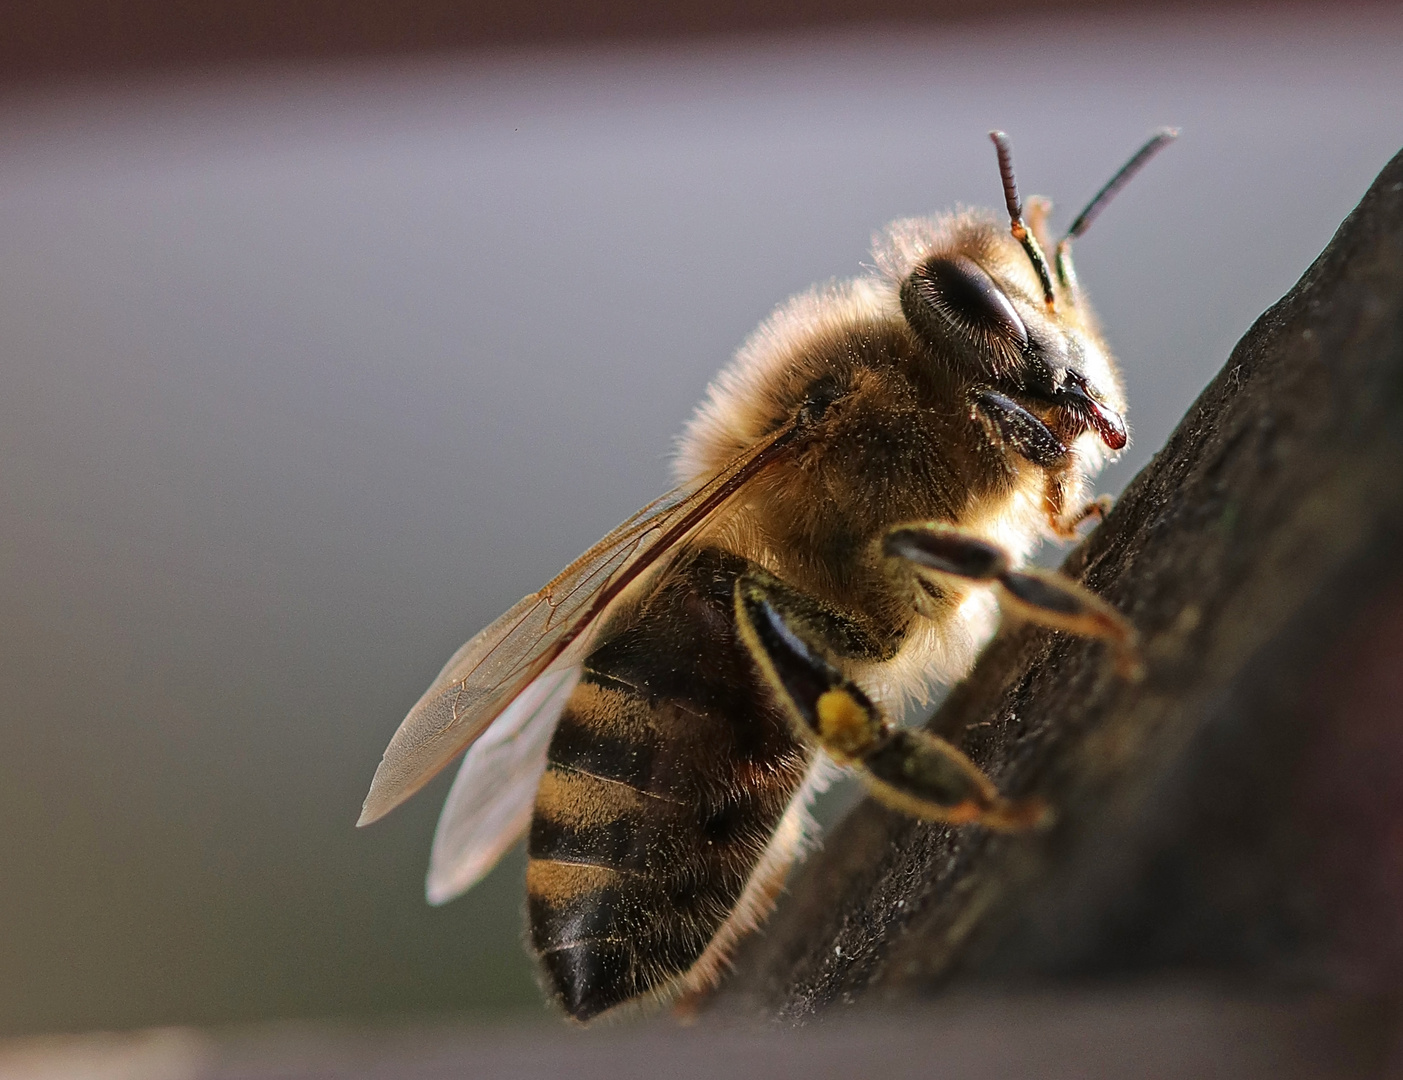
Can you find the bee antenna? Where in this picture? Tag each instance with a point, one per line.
(1015, 216)
(1157, 142)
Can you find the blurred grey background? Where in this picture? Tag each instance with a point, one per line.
(309, 369)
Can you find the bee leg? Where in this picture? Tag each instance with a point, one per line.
(1066, 523)
(1046, 597)
(841, 634)
(1009, 424)
(912, 771)
(1096, 508)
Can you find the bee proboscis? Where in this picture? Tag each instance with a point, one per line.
(859, 493)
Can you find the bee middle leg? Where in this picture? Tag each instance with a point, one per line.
(910, 770)
(938, 550)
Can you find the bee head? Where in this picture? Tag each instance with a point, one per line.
(987, 299)
(975, 303)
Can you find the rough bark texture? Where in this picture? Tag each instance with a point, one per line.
(1238, 812)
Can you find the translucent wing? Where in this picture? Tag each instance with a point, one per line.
(490, 803)
(546, 629)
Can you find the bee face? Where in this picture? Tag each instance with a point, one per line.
(972, 297)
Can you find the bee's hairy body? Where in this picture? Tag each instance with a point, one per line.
(666, 782)
(657, 834)
(858, 493)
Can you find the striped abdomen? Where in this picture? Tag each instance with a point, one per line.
(668, 775)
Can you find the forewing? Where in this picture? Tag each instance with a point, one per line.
(546, 629)
(489, 805)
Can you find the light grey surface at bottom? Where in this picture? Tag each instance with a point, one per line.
(1102, 1034)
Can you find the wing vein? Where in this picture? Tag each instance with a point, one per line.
(548, 629)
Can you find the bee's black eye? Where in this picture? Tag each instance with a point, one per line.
(958, 290)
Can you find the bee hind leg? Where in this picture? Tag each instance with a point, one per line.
(910, 770)
(938, 550)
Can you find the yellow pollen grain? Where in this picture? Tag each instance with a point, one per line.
(842, 722)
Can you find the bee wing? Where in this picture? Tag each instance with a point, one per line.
(490, 802)
(544, 630)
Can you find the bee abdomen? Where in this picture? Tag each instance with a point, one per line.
(668, 774)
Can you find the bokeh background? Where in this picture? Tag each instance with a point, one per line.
(321, 346)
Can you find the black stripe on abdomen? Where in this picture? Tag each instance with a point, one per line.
(668, 774)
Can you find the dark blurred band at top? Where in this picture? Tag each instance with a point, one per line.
(63, 40)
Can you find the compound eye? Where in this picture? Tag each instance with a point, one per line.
(962, 292)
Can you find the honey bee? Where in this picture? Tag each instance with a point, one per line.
(859, 492)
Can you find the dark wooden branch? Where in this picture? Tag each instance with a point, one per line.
(1240, 811)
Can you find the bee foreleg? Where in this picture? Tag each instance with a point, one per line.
(1012, 425)
(1066, 522)
(1041, 596)
(912, 771)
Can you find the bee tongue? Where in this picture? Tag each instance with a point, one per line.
(1108, 425)
(1106, 422)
